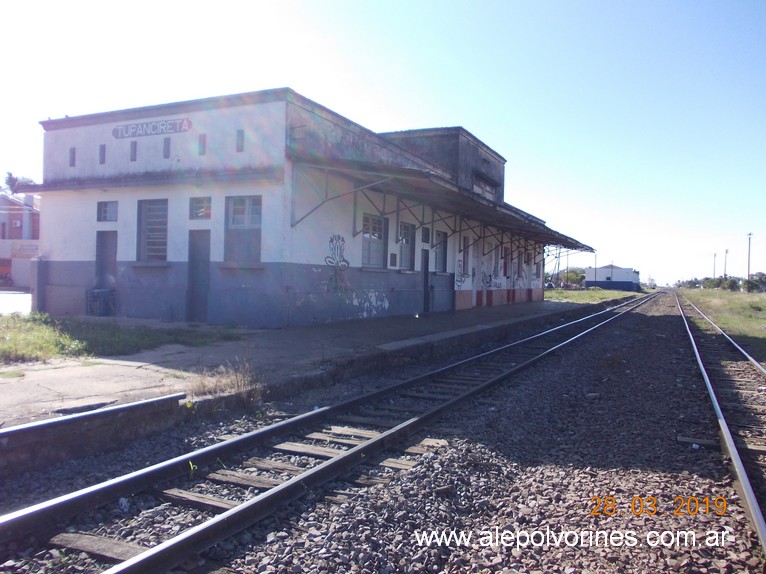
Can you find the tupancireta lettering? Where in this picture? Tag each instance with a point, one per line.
(152, 128)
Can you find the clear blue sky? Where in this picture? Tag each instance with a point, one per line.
(637, 127)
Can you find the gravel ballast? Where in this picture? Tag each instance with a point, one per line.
(557, 471)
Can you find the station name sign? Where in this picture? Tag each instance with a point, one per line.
(152, 128)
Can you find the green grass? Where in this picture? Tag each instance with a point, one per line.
(741, 315)
(38, 338)
(585, 295)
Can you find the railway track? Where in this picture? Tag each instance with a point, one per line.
(251, 472)
(736, 384)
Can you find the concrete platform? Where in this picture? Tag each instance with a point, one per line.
(285, 360)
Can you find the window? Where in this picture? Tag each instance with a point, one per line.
(484, 187)
(406, 246)
(152, 230)
(199, 208)
(374, 241)
(243, 229)
(102, 154)
(202, 144)
(72, 156)
(440, 251)
(240, 140)
(166, 148)
(133, 151)
(106, 211)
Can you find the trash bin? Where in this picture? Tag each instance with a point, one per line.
(101, 302)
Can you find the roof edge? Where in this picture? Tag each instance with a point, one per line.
(232, 100)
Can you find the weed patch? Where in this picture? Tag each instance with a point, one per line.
(741, 315)
(238, 380)
(37, 337)
(34, 338)
(590, 295)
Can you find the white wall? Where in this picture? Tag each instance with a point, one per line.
(60, 240)
(264, 126)
(616, 274)
(309, 240)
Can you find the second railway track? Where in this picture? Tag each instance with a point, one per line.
(252, 468)
(736, 383)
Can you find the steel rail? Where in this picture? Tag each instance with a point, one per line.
(168, 554)
(25, 520)
(751, 501)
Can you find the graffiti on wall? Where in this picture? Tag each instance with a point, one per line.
(460, 277)
(337, 263)
(490, 281)
(522, 279)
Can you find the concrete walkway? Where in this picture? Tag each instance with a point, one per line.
(283, 359)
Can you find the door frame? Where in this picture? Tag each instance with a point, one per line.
(198, 279)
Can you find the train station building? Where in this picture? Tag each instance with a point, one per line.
(266, 209)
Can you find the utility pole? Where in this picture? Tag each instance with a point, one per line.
(714, 254)
(749, 237)
(725, 257)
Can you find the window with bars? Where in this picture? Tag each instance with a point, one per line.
(243, 229)
(440, 251)
(106, 211)
(152, 230)
(200, 207)
(374, 230)
(406, 246)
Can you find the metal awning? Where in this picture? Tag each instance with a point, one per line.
(417, 187)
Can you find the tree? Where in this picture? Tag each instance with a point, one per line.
(12, 182)
(574, 276)
(756, 283)
(711, 283)
(689, 283)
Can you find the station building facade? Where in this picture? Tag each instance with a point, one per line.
(266, 209)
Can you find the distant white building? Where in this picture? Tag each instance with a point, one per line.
(613, 277)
